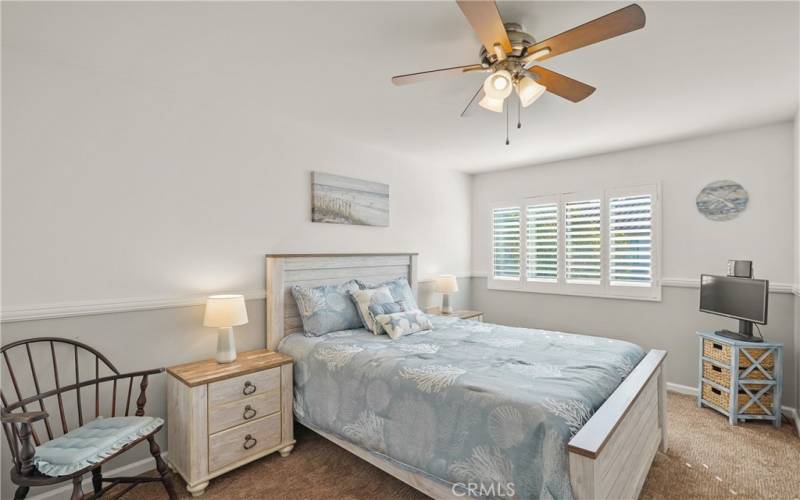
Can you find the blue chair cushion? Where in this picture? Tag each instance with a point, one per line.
(91, 443)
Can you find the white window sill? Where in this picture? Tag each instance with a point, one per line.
(517, 286)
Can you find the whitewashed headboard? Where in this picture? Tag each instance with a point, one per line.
(285, 270)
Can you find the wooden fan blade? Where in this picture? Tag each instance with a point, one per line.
(473, 103)
(560, 85)
(485, 19)
(625, 20)
(435, 74)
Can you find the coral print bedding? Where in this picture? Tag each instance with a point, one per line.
(465, 402)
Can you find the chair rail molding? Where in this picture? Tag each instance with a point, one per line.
(108, 306)
(774, 287)
(111, 306)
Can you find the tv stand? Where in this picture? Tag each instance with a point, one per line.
(742, 380)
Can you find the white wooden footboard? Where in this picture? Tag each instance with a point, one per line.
(611, 455)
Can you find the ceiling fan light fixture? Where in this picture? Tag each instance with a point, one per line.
(498, 85)
(538, 54)
(491, 104)
(529, 90)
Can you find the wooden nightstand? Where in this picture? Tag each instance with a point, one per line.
(458, 313)
(222, 416)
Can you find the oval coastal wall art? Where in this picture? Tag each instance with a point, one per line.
(722, 200)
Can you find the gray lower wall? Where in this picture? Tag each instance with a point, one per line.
(796, 373)
(670, 324)
(165, 337)
(140, 340)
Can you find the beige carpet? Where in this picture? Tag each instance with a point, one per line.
(706, 459)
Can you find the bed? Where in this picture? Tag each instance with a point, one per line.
(471, 408)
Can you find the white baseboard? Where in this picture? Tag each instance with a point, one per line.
(787, 411)
(682, 389)
(132, 469)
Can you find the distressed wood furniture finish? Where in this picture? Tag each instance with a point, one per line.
(611, 455)
(284, 271)
(222, 416)
(458, 313)
(26, 420)
(610, 459)
(748, 376)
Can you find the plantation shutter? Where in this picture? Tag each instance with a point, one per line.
(542, 242)
(506, 242)
(583, 246)
(630, 232)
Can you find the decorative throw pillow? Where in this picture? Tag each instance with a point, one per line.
(404, 323)
(365, 298)
(398, 287)
(388, 308)
(327, 308)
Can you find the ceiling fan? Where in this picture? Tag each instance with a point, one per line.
(509, 55)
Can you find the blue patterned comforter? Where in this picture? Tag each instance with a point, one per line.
(467, 403)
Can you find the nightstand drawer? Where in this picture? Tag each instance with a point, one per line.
(239, 412)
(233, 445)
(234, 389)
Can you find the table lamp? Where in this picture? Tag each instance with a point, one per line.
(446, 284)
(225, 312)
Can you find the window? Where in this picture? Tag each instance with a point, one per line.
(630, 240)
(542, 242)
(505, 241)
(582, 241)
(602, 243)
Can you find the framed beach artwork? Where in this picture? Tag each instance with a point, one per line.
(336, 199)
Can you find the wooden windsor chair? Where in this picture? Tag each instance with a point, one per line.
(26, 421)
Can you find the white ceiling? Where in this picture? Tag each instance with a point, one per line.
(696, 68)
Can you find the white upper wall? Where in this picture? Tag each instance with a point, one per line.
(117, 189)
(761, 159)
(797, 211)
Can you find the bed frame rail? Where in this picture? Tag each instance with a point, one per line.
(611, 455)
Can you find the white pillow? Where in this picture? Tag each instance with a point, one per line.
(403, 323)
(365, 298)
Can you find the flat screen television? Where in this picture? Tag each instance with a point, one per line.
(744, 299)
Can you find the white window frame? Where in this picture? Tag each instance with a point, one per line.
(505, 283)
(652, 292)
(536, 285)
(561, 287)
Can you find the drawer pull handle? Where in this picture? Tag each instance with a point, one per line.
(249, 388)
(716, 391)
(249, 442)
(717, 346)
(716, 368)
(249, 412)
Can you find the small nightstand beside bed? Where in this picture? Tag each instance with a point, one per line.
(470, 402)
(222, 416)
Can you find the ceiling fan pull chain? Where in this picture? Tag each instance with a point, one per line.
(507, 113)
(519, 113)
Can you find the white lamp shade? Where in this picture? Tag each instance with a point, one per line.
(495, 105)
(498, 85)
(529, 90)
(223, 311)
(446, 284)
